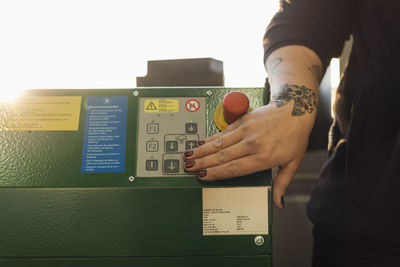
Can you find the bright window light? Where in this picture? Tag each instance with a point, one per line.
(335, 80)
(335, 72)
(106, 44)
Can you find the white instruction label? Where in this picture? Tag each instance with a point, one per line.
(235, 211)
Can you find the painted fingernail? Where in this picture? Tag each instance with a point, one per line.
(188, 153)
(202, 173)
(202, 142)
(283, 201)
(189, 163)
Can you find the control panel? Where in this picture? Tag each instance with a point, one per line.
(167, 127)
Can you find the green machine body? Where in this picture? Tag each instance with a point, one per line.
(95, 178)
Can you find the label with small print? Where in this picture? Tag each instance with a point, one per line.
(104, 140)
(161, 105)
(41, 113)
(235, 211)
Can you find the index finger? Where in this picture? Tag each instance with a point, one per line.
(217, 143)
(228, 129)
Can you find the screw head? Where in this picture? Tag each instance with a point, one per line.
(131, 179)
(135, 93)
(259, 240)
(209, 93)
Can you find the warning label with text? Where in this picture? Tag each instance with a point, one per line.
(41, 113)
(161, 105)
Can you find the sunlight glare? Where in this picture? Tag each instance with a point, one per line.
(10, 94)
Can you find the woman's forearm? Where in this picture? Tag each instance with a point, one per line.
(294, 74)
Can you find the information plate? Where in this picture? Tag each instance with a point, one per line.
(235, 211)
(41, 113)
(105, 135)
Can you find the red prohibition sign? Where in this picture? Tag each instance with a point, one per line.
(192, 105)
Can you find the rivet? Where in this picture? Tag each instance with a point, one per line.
(131, 179)
(135, 93)
(209, 93)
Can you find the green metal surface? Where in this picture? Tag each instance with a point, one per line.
(223, 261)
(50, 209)
(112, 222)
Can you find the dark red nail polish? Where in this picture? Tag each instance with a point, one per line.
(202, 173)
(202, 142)
(188, 153)
(189, 163)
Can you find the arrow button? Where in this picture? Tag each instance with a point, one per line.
(171, 166)
(171, 146)
(190, 144)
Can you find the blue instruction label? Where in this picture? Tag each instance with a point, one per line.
(105, 134)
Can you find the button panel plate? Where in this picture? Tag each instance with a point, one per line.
(164, 136)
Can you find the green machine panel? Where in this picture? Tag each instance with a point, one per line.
(95, 178)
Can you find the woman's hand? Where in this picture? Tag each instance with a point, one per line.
(267, 137)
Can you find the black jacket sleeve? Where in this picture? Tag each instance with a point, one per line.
(321, 25)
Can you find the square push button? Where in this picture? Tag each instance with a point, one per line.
(152, 128)
(152, 146)
(171, 166)
(190, 144)
(171, 146)
(191, 128)
(151, 165)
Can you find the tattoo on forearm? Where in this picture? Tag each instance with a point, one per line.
(275, 64)
(316, 71)
(305, 100)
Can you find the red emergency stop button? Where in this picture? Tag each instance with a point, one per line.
(235, 105)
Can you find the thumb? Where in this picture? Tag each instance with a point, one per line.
(282, 180)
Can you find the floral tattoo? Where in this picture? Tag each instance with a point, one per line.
(305, 100)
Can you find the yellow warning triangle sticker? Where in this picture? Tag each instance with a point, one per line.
(151, 106)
